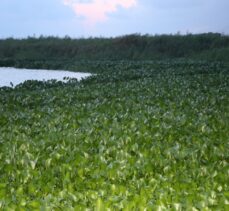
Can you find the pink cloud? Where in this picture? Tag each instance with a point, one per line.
(97, 10)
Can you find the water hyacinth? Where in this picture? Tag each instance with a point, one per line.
(135, 136)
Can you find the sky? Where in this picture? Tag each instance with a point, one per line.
(110, 18)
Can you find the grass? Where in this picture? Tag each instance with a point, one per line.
(137, 135)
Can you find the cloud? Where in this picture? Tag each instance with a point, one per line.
(95, 11)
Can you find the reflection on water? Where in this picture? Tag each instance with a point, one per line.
(13, 76)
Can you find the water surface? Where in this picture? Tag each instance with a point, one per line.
(15, 76)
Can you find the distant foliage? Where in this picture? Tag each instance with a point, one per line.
(45, 51)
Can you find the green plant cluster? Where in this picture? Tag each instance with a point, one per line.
(53, 50)
(134, 136)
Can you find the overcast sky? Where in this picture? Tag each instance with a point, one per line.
(83, 18)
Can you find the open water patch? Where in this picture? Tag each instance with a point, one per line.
(13, 76)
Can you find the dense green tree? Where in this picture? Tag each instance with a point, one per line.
(49, 51)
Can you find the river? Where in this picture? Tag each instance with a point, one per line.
(13, 76)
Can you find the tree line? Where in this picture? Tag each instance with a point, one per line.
(208, 46)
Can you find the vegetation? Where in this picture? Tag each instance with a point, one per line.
(54, 52)
(135, 136)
